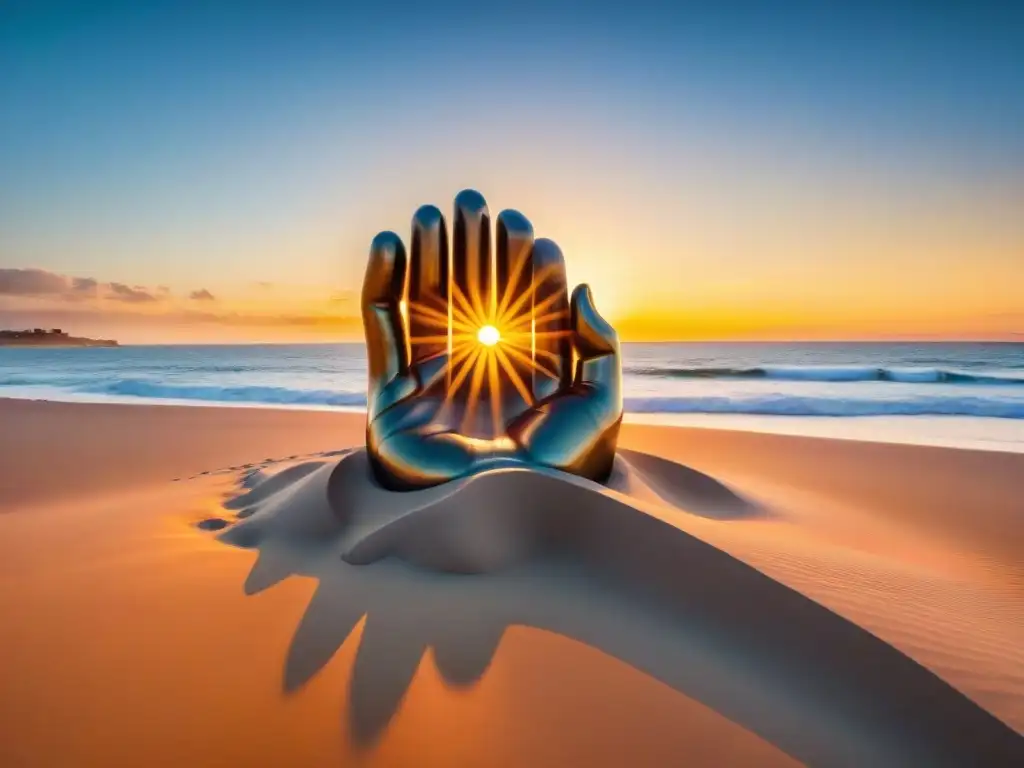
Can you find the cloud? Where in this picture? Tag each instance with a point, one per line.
(32, 282)
(40, 283)
(130, 295)
(84, 286)
(325, 321)
(34, 297)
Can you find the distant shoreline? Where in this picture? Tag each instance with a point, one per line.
(50, 338)
(70, 341)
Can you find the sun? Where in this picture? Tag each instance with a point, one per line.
(490, 342)
(488, 335)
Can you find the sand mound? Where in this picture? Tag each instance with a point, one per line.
(260, 486)
(610, 567)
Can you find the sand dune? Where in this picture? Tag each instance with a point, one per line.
(728, 599)
(608, 568)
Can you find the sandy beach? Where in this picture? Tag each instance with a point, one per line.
(818, 601)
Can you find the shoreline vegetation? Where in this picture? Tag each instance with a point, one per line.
(54, 337)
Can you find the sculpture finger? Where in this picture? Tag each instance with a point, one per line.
(387, 344)
(428, 284)
(514, 267)
(513, 274)
(552, 353)
(471, 258)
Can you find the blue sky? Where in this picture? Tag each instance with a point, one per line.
(217, 145)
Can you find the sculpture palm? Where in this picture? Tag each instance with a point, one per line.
(442, 404)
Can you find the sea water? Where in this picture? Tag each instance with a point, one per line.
(961, 394)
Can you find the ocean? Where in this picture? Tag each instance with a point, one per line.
(959, 394)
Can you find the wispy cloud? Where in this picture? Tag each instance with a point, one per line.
(344, 297)
(85, 287)
(32, 282)
(130, 295)
(39, 283)
(33, 297)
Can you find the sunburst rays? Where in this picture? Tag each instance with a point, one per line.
(480, 376)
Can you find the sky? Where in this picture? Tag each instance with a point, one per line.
(215, 171)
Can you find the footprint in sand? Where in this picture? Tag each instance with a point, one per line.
(212, 524)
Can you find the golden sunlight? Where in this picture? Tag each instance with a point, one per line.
(488, 335)
(478, 367)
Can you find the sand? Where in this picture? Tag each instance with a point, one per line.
(731, 599)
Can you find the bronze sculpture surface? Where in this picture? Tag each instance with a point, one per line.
(480, 359)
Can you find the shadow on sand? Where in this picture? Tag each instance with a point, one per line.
(605, 566)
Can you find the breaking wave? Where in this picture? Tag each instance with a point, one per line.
(911, 402)
(239, 394)
(833, 374)
(797, 405)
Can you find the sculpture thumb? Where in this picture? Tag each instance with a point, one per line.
(599, 364)
(593, 336)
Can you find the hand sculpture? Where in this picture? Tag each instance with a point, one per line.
(474, 364)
